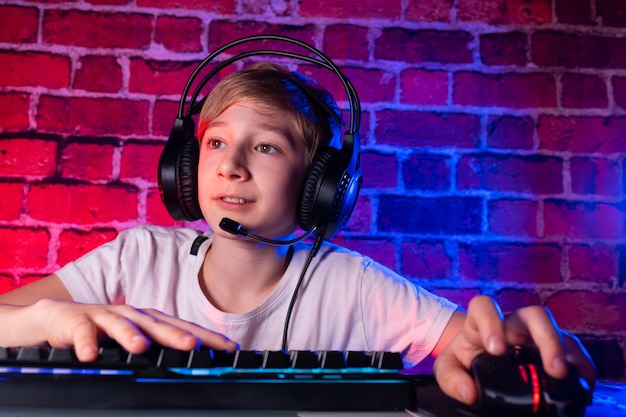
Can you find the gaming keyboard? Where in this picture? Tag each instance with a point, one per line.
(163, 378)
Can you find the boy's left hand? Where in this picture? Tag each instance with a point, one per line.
(486, 329)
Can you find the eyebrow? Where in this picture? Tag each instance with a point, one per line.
(264, 126)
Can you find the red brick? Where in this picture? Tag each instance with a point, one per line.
(505, 12)
(426, 172)
(27, 157)
(594, 135)
(361, 218)
(372, 85)
(430, 215)
(92, 116)
(160, 77)
(514, 299)
(576, 12)
(611, 12)
(163, 117)
(11, 201)
(592, 263)
(140, 160)
(87, 161)
(98, 73)
(14, 109)
(504, 49)
(24, 69)
(75, 243)
(6, 283)
(23, 248)
(424, 87)
(551, 49)
(504, 90)
(81, 203)
(109, 2)
(593, 176)
(180, 34)
(410, 46)
(374, 164)
(267, 8)
(223, 31)
(97, 29)
(19, 24)
(510, 132)
(582, 220)
(381, 250)
(415, 129)
(214, 6)
(583, 91)
(346, 42)
(619, 91)
(588, 311)
(537, 263)
(433, 10)
(379, 9)
(156, 212)
(426, 259)
(536, 174)
(513, 217)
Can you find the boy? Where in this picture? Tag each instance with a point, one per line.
(258, 133)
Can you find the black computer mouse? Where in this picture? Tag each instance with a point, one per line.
(515, 384)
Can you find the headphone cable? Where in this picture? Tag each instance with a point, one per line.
(316, 247)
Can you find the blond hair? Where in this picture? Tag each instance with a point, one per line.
(274, 86)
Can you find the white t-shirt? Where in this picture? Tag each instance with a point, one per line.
(346, 301)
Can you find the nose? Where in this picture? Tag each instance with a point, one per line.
(233, 165)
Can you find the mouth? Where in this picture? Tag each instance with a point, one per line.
(234, 200)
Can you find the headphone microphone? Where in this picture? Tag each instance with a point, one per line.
(235, 228)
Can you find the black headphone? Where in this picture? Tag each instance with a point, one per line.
(332, 183)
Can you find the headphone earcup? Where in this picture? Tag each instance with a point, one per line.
(187, 177)
(308, 212)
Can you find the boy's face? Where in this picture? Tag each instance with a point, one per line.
(252, 164)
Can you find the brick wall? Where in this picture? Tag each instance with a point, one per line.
(494, 136)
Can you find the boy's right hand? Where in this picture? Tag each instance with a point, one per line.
(64, 324)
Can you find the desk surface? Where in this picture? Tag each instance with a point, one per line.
(609, 400)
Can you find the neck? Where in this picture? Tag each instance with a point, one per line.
(238, 274)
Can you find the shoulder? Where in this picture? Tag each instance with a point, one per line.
(339, 259)
(159, 233)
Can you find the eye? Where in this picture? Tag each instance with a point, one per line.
(214, 143)
(266, 148)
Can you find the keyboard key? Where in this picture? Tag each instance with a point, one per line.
(358, 359)
(172, 358)
(29, 354)
(303, 359)
(223, 358)
(246, 359)
(387, 360)
(275, 359)
(201, 358)
(61, 355)
(331, 359)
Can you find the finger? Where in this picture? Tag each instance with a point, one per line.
(179, 334)
(579, 357)
(85, 340)
(484, 325)
(454, 381)
(536, 325)
(122, 329)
